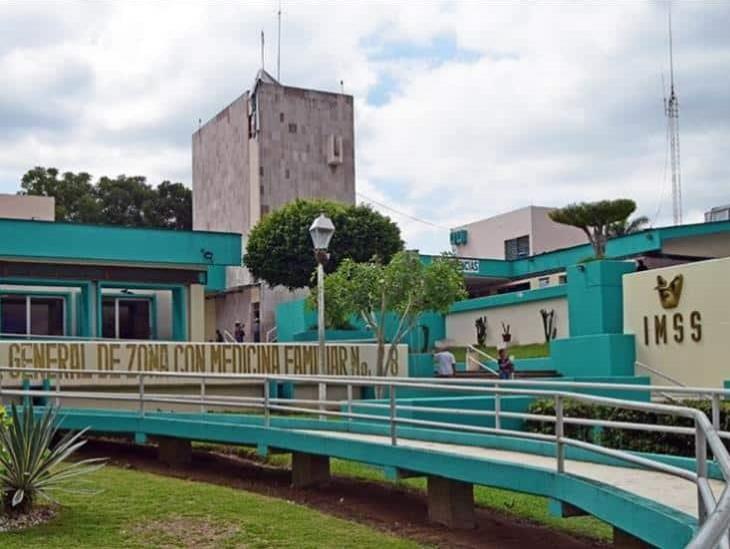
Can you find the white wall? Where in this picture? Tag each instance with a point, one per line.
(485, 238)
(524, 319)
(547, 235)
(13, 206)
(710, 245)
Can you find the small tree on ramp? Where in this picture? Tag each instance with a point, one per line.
(405, 287)
(596, 219)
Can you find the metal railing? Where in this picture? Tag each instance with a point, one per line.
(471, 359)
(659, 374)
(713, 513)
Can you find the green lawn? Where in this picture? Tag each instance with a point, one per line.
(523, 506)
(142, 510)
(534, 350)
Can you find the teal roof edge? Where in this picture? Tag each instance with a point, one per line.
(512, 298)
(32, 239)
(647, 241)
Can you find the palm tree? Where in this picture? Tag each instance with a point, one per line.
(626, 227)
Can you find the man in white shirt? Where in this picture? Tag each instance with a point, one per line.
(445, 362)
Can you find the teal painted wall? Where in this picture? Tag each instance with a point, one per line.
(296, 322)
(216, 279)
(534, 364)
(74, 241)
(595, 297)
(293, 317)
(594, 355)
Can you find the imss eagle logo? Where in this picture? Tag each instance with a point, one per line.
(669, 293)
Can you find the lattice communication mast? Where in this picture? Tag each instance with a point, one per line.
(671, 110)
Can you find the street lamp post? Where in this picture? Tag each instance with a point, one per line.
(321, 232)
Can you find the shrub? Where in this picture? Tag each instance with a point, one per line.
(32, 466)
(627, 439)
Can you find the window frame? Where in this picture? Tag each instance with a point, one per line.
(29, 297)
(151, 310)
(515, 243)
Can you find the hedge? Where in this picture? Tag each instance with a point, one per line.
(627, 439)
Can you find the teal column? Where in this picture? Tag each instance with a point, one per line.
(89, 310)
(26, 387)
(595, 297)
(597, 346)
(179, 314)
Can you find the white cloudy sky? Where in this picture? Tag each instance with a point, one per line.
(463, 109)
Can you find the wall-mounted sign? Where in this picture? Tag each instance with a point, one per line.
(681, 319)
(470, 265)
(256, 358)
(459, 237)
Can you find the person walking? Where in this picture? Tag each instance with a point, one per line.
(445, 362)
(506, 367)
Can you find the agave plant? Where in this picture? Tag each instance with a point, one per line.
(31, 466)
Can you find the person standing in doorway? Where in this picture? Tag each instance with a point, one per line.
(445, 363)
(239, 334)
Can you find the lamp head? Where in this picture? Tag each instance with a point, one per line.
(321, 232)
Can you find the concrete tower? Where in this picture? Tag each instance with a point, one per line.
(272, 145)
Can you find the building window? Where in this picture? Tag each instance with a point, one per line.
(517, 247)
(126, 318)
(281, 117)
(261, 171)
(292, 127)
(286, 173)
(264, 210)
(562, 279)
(32, 315)
(543, 282)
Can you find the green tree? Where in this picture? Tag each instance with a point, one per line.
(171, 207)
(595, 219)
(405, 287)
(279, 248)
(74, 194)
(626, 227)
(123, 200)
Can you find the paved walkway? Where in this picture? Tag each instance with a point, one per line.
(669, 490)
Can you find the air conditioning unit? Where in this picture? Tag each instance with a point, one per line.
(334, 150)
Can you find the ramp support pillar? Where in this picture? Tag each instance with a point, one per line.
(624, 540)
(451, 503)
(175, 452)
(309, 469)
